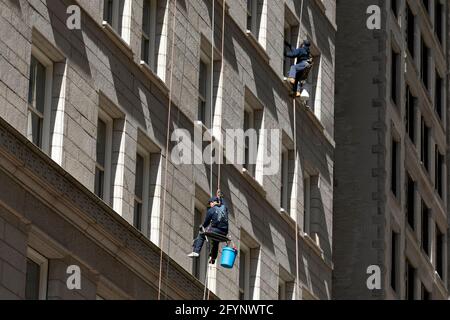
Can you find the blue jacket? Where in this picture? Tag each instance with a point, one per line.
(301, 54)
(217, 217)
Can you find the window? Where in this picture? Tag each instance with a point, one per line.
(426, 5)
(36, 276)
(425, 230)
(425, 64)
(39, 95)
(438, 98)
(394, 7)
(411, 202)
(252, 12)
(440, 241)
(204, 91)
(394, 259)
(307, 203)
(250, 149)
(395, 76)
(291, 29)
(425, 145)
(314, 84)
(438, 20)
(395, 165)
(439, 171)
(103, 157)
(244, 272)
(426, 295)
(287, 178)
(410, 281)
(148, 48)
(117, 13)
(411, 103)
(139, 190)
(410, 30)
(199, 264)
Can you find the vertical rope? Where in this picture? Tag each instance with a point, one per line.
(223, 77)
(297, 279)
(161, 241)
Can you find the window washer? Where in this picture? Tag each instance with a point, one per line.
(216, 221)
(299, 71)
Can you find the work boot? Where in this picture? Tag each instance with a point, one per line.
(193, 255)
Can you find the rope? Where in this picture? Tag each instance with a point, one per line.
(161, 241)
(223, 76)
(297, 279)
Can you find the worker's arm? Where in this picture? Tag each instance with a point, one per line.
(293, 53)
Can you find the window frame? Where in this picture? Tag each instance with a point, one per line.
(42, 261)
(144, 201)
(206, 97)
(246, 288)
(252, 14)
(284, 186)
(199, 264)
(103, 116)
(40, 56)
(151, 37)
(307, 203)
(250, 167)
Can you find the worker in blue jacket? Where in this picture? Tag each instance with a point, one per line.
(299, 70)
(216, 221)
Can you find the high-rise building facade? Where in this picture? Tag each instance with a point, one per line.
(91, 187)
(391, 176)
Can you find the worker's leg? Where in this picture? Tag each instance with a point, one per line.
(214, 251)
(198, 243)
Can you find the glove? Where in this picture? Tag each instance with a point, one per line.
(219, 194)
(201, 229)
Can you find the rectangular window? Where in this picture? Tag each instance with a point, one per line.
(36, 276)
(394, 260)
(394, 7)
(252, 13)
(411, 103)
(307, 203)
(148, 44)
(249, 158)
(425, 231)
(244, 270)
(426, 295)
(438, 21)
(440, 240)
(425, 64)
(291, 29)
(139, 191)
(103, 158)
(425, 145)
(204, 93)
(287, 177)
(395, 76)
(39, 91)
(113, 11)
(438, 172)
(426, 5)
(410, 281)
(410, 30)
(410, 209)
(395, 165)
(438, 99)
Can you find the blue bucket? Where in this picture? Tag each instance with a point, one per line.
(228, 257)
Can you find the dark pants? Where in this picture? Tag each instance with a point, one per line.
(198, 242)
(296, 72)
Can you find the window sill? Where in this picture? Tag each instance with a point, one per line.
(155, 79)
(117, 39)
(255, 184)
(255, 43)
(313, 245)
(287, 217)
